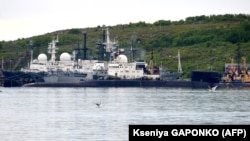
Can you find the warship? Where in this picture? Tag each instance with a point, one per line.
(71, 71)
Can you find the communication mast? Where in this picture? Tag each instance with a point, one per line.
(31, 50)
(52, 49)
(179, 62)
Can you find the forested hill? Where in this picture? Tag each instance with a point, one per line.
(205, 42)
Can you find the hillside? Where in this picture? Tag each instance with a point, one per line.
(205, 42)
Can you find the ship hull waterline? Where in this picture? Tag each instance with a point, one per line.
(140, 83)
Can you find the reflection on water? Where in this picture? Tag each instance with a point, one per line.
(71, 113)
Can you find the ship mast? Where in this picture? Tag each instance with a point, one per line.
(107, 47)
(110, 46)
(52, 49)
(151, 64)
(132, 53)
(133, 50)
(84, 46)
(31, 50)
(179, 62)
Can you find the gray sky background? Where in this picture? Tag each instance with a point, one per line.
(27, 18)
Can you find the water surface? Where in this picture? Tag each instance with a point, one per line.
(70, 114)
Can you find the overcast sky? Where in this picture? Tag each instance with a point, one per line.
(27, 18)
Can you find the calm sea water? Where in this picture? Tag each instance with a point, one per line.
(70, 114)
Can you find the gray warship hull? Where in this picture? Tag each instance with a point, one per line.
(124, 83)
(143, 83)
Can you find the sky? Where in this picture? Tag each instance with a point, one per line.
(27, 18)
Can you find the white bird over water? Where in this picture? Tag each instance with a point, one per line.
(213, 88)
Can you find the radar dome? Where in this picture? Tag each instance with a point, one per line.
(42, 57)
(122, 58)
(65, 57)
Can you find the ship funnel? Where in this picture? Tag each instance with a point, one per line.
(84, 46)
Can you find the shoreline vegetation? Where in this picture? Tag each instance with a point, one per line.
(205, 42)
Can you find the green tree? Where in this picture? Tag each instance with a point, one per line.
(75, 31)
(162, 23)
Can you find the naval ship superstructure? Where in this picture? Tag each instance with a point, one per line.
(120, 68)
(71, 71)
(68, 69)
